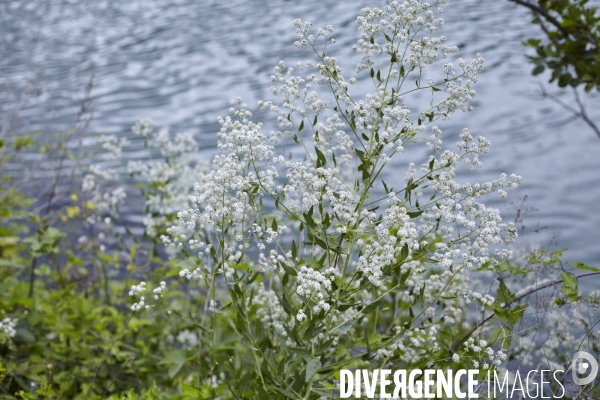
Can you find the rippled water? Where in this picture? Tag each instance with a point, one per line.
(179, 62)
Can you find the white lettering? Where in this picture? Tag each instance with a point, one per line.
(457, 392)
(504, 382)
(517, 377)
(429, 382)
(445, 383)
(412, 385)
(383, 383)
(532, 384)
(557, 381)
(346, 374)
(400, 382)
(370, 386)
(472, 383)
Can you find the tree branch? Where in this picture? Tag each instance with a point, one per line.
(581, 113)
(461, 341)
(543, 12)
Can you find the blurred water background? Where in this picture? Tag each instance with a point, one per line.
(179, 62)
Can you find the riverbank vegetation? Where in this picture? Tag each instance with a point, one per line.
(290, 255)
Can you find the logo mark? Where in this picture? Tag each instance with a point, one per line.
(584, 364)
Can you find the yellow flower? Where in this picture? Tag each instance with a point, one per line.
(73, 212)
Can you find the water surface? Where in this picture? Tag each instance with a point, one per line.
(179, 62)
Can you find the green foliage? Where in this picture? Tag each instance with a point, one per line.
(571, 49)
(570, 287)
(70, 339)
(75, 335)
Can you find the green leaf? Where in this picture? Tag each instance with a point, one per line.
(352, 123)
(286, 305)
(509, 316)
(321, 160)
(190, 391)
(570, 287)
(385, 186)
(579, 265)
(308, 218)
(533, 42)
(346, 325)
(301, 126)
(301, 352)
(321, 243)
(24, 336)
(371, 307)
(564, 80)
(176, 360)
(285, 392)
(516, 314)
(289, 269)
(405, 276)
(404, 251)
(312, 366)
(537, 70)
(503, 294)
(414, 214)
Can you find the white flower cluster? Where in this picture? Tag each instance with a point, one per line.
(222, 193)
(188, 339)
(143, 128)
(113, 146)
(158, 292)
(315, 285)
(194, 274)
(170, 179)
(270, 312)
(485, 355)
(139, 291)
(451, 315)
(301, 316)
(544, 343)
(413, 344)
(485, 300)
(104, 199)
(7, 327)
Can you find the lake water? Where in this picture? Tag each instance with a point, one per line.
(179, 62)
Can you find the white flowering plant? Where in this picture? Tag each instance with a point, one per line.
(316, 262)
